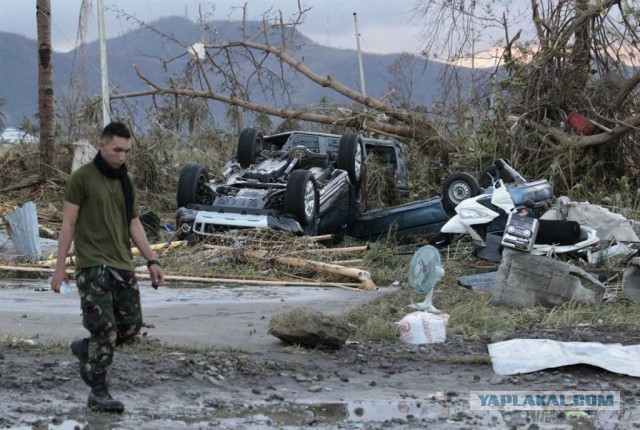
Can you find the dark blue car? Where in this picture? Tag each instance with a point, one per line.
(422, 220)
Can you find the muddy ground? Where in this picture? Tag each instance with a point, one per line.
(363, 386)
(271, 386)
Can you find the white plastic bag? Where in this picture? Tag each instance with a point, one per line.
(419, 328)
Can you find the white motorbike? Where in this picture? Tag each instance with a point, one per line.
(538, 236)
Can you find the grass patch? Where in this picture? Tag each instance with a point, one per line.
(471, 315)
(32, 344)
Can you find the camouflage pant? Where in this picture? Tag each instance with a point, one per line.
(110, 311)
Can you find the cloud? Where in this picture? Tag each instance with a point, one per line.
(384, 26)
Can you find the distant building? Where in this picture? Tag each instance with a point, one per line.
(13, 135)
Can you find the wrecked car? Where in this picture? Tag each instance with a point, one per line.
(415, 221)
(315, 183)
(302, 182)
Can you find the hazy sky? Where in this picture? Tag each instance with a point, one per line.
(385, 25)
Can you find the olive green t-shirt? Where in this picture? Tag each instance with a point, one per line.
(101, 231)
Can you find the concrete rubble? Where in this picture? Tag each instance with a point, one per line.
(526, 280)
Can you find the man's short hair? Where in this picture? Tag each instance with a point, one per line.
(113, 129)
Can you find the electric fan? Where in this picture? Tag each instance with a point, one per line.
(425, 270)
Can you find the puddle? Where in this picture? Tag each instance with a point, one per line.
(65, 425)
(356, 415)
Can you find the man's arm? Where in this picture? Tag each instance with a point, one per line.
(139, 237)
(69, 218)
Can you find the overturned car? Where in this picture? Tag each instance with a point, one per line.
(306, 183)
(316, 183)
(419, 220)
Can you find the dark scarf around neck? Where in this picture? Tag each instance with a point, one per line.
(119, 173)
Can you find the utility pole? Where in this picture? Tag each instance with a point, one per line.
(363, 88)
(104, 74)
(46, 109)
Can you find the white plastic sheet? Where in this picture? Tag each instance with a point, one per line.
(608, 225)
(530, 355)
(83, 152)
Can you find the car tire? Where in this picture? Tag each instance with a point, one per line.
(351, 156)
(301, 197)
(250, 143)
(459, 187)
(193, 186)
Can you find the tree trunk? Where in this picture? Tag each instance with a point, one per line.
(45, 87)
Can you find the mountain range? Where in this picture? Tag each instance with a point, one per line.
(154, 50)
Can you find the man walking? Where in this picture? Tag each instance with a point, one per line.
(100, 215)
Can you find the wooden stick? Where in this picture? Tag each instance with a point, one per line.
(339, 250)
(33, 269)
(362, 275)
(315, 251)
(51, 258)
(162, 246)
(199, 279)
(321, 237)
(348, 262)
(356, 287)
(251, 281)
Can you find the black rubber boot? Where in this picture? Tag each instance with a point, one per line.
(100, 400)
(80, 348)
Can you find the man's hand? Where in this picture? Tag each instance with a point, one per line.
(157, 276)
(58, 277)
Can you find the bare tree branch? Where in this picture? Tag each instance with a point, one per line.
(358, 122)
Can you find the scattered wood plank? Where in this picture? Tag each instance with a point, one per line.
(351, 286)
(51, 258)
(32, 269)
(362, 275)
(253, 281)
(313, 251)
(338, 250)
(348, 262)
(321, 237)
(162, 246)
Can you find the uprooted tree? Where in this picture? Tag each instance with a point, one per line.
(579, 59)
(264, 56)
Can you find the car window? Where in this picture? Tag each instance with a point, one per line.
(333, 143)
(310, 142)
(386, 155)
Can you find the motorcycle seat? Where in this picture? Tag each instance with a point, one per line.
(558, 232)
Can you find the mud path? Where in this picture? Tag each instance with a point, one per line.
(361, 386)
(251, 381)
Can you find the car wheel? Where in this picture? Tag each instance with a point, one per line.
(250, 143)
(351, 156)
(459, 187)
(193, 186)
(301, 197)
